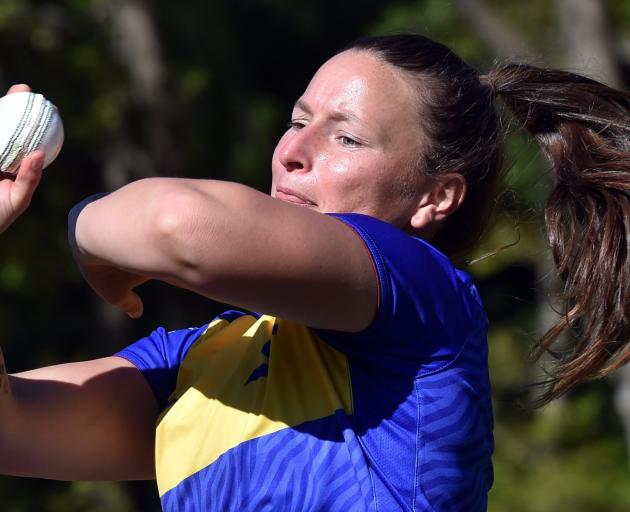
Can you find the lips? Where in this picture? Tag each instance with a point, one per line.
(291, 196)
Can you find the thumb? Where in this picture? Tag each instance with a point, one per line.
(18, 88)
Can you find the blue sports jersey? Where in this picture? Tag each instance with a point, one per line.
(263, 414)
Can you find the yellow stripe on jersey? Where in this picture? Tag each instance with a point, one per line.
(233, 387)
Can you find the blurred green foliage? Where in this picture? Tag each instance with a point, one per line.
(231, 71)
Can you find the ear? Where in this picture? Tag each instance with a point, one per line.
(440, 197)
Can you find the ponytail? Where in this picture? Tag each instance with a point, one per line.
(583, 128)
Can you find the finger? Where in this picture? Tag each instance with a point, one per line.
(27, 179)
(19, 88)
(132, 305)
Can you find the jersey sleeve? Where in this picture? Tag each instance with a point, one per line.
(158, 357)
(427, 308)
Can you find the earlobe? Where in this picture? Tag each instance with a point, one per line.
(424, 217)
(440, 199)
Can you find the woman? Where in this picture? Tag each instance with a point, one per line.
(361, 382)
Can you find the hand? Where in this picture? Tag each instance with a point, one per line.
(16, 191)
(114, 285)
(111, 283)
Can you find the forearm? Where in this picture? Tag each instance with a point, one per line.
(80, 421)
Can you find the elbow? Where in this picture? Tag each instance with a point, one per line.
(186, 225)
(171, 220)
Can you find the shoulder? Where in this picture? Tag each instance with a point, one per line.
(401, 259)
(387, 241)
(427, 308)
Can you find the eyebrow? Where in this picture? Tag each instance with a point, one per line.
(337, 115)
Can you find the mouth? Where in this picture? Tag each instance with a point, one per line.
(291, 196)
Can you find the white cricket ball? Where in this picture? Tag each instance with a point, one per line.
(28, 122)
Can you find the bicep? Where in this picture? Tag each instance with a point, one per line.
(91, 420)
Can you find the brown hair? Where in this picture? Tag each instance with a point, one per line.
(583, 128)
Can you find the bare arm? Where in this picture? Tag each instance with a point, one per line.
(92, 420)
(88, 420)
(233, 244)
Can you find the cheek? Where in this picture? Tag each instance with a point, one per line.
(344, 168)
(343, 177)
(382, 185)
(345, 184)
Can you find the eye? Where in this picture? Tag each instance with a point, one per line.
(295, 124)
(348, 141)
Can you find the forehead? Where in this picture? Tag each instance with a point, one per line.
(362, 86)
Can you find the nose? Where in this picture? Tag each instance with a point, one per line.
(296, 148)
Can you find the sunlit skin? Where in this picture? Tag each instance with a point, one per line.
(352, 146)
(353, 142)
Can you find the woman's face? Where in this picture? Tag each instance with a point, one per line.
(353, 142)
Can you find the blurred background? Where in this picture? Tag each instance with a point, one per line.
(205, 89)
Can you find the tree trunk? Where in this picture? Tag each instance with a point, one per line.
(586, 32)
(586, 29)
(491, 29)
